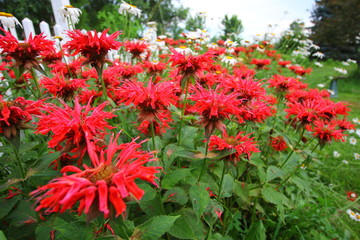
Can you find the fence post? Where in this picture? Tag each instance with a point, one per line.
(56, 4)
(45, 29)
(28, 27)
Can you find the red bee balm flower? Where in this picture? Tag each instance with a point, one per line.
(136, 48)
(278, 143)
(92, 46)
(25, 53)
(103, 188)
(14, 115)
(214, 107)
(61, 87)
(73, 126)
(243, 145)
(352, 196)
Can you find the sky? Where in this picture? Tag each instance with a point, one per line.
(256, 15)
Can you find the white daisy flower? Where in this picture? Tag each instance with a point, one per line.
(330, 91)
(340, 70)
(351, 130)
(229, 43)
(345, 63)
(336, 154)
(321, 85)
(357, 156)
(183, 50)
(351, 214)
(229, 60)
(319, 64)
(128, 8)
(319, 55)
(356, 120)
(70, 13)
(213, 46)
(357, 132)
(351, 61)
(345, 161)
(352, 141)
(8, 20)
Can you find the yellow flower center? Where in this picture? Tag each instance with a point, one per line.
(231, 141)
(103, 173)
(183, 47)
(228, 57)
(69, 6)
(58, 37)
(132, 6)
(247, 41)
(217, 72)
(4, 14)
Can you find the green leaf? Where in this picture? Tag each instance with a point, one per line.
(2, 236)
(272, 196)
(256, 231)
(186, 226)
(171, 179)
(273, 172)
(199, 198)
(241, 189)
(22, 212)
(76, 230)
(6, 205)
(43, 231)
(227, 186)
(122, 228)
(154, 228)
(188, 136)
(177, 195)
(45, 161)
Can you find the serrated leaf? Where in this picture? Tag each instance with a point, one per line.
(2, 235)
(257, 231)
(273, 172)
(171, 179)
(199, 198)
(241, 189)
(122, 228)
(71, 230)
(22, 212)
(45, 161)
(187, 226)
(6, 205)
(154, 228)
(272, 196)
(177, 195)
(227, 186)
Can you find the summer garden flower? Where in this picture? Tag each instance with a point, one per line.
(92, 46)
(229, 60)
(352, 196)
(71, 127)
(70, 13)
(25, 53)
(356, 120)
(319, 55)
(184, 50)
(357, 156)
(15, 115)
(128, 8)
(213, 106)
(8, 20)
(336, 154)
(136, 48)
(278, 143)
(242, 144)
(102, 188)
(321, 85)
(230, 43)
(345, 161)
(318, 64)
(260, 63)
(352, 141)
(340, 70)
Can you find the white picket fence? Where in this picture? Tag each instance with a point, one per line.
(59, 28)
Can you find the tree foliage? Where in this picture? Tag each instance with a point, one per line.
(193, 23)
(336, 28)
(232, 27)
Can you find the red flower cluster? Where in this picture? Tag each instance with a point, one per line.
(241, 144)
(260, 63)
(25, 53)
(300, 70)
(72, 127)
(278, 143)
(92, 46)
(103, 188)
(14, 115)
(136, 48)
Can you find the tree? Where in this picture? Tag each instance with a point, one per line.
(37, 11)
(336, 28)
(232, 27)
(193, 23)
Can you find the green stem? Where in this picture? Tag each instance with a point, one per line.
(292, 151)
(35, 79)
(99, 71)
(221, 181)
(15, 143)
(183, 110)
(204, 161)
